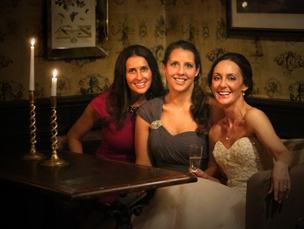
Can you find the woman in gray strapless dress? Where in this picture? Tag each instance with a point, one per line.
(165, 129)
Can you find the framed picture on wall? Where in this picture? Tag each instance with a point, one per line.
(284, 17)
(76, 29)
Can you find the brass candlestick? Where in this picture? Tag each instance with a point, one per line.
(33, 154)
(54, 160)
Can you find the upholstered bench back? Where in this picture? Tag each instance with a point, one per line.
(296, 146)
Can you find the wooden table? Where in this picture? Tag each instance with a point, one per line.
(86, 177)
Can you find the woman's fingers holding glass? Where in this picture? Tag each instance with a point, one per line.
(198, 173)
(191, 171)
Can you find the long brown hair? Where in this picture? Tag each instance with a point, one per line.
(199, 109)
(120, 98)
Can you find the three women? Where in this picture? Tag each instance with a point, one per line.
(241, 143)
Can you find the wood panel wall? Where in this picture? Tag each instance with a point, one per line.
(286, 117)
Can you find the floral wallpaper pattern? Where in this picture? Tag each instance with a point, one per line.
(277, 61)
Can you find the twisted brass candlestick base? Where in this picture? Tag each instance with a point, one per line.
(33, 154)
(54, 160)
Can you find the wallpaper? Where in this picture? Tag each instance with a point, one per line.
(277, 61)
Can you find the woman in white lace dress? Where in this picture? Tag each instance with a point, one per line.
(244, 142)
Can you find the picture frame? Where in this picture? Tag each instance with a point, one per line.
(77, 29)
(280, 17)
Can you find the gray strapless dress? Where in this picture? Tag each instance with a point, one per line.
(169, 151)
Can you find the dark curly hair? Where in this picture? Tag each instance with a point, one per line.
(199, 109)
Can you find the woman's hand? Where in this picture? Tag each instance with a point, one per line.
(199, 173)
(280, 182)
(202, 174)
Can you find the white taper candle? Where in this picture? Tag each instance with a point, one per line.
(32, 79)
(54, 84)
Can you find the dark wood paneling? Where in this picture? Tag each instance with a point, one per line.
(286, 117)
(15, 121)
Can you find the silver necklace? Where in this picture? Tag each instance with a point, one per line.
(228, 134)
(227, 138)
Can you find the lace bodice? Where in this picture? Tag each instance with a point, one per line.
(244, 158)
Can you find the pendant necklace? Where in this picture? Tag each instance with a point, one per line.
(227, 138)
(234, 126)
(228, 134)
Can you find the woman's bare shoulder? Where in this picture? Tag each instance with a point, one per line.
(256, 120)
(254, 114)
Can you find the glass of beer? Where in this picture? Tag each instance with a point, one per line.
(195, 157)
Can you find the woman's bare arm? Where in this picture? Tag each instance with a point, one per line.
(141, 142)
(263, 129)
(82, 126)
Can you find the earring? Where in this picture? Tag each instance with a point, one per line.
(243, 93)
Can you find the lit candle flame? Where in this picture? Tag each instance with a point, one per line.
(244, 4)
(54, 73)
(33, 42)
